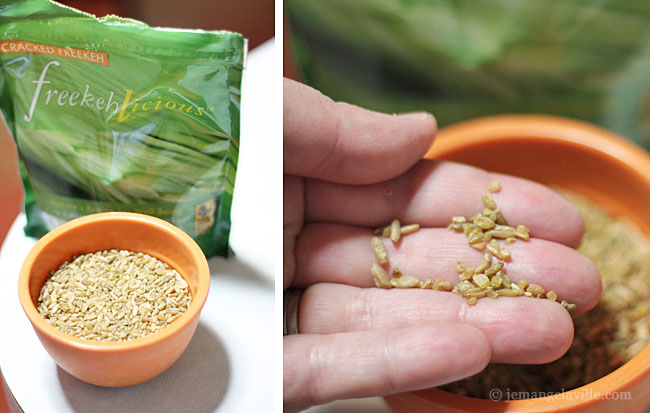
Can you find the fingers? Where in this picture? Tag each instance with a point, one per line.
(432, 192)
(342, 254)
(342, 143)
(293, 215)
(320, 368)
(519, 330)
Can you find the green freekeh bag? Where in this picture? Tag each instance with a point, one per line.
(110, 114)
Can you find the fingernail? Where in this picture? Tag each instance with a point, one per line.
(417, 115)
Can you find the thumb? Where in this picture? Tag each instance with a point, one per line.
(342, 143)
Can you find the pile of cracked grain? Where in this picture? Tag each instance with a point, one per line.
(488, 279)
(113, 295)
(395, 231)
(607, 336)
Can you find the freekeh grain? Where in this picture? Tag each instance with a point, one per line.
(113, 295)
(395, 231)
(379, 250)
(379, 276)
(494, 186)
(488, 279)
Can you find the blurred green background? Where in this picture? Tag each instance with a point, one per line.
(460, 59)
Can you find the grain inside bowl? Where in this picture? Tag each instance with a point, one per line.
(113, 295)
(607, 336)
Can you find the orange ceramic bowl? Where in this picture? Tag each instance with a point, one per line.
(585, 159)
(115, 363)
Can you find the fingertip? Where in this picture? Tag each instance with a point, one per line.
(568, 219)
(574, 224)
(469, 345)
(425, 128)
(558, 267)
(540, 331)
(476, 346)
(375, 147)
(343, 143)
(592, 287)
(425, 121)
(558, 333)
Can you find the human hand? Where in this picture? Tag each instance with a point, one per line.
(348, 171)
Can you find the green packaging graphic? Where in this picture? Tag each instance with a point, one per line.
(109, 114)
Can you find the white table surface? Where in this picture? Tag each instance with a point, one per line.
(229, 364)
